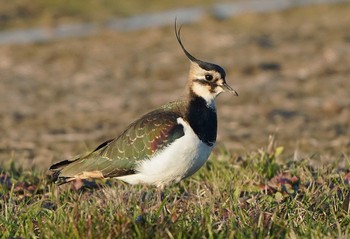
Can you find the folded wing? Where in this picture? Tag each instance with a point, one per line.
(121, 156)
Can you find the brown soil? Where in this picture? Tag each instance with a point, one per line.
(290, 68)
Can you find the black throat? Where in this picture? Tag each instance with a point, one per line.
(202, 119)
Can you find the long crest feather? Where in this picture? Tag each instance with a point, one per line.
(178, 36)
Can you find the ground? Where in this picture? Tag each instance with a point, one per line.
(291, 70)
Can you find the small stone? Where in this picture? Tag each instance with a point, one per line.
(140, 219)
(330, 106)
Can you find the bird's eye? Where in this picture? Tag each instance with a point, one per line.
(208, 77)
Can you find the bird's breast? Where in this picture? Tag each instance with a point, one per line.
(203, 120)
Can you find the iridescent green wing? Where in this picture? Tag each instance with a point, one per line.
(140, 141)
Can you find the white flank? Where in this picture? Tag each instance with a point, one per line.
(179, 160)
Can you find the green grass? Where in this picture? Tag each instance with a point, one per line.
(258, 195)
(27, 13)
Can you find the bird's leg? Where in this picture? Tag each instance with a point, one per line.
(162, 201)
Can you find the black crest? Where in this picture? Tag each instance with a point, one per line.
(205, 65)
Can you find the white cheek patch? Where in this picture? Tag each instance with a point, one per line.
(204, 92)
(201, 90)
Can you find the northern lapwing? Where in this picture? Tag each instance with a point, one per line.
(163, 146)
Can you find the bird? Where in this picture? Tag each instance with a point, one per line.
(165, 145)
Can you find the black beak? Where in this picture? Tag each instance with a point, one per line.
(230, 89)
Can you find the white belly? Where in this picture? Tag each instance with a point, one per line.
(181, 159)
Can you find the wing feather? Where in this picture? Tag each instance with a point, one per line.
(120, 156)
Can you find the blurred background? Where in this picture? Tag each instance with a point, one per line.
(75, 73)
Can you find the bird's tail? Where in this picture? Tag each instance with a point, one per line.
(57, 168)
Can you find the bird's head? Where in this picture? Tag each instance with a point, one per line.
(206, 80)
